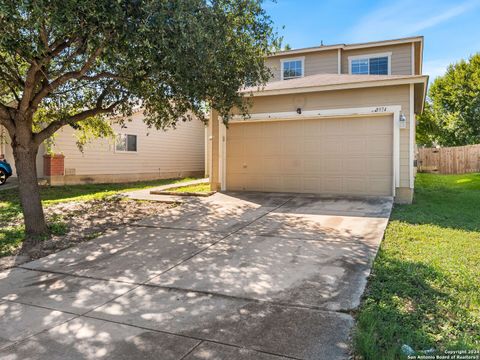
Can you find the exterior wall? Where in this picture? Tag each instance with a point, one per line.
(418, 58)
(321, 62)
(401, 57)
(160, 154)
(326, 61)
(369, 97)
(6, 149)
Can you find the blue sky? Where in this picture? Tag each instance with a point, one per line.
(451, 28)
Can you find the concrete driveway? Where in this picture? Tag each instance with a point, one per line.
(232, 276)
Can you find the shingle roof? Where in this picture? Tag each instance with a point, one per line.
(320, 80)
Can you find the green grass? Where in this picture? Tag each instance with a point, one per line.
(425, 287)
(11, 237)
(198, 188)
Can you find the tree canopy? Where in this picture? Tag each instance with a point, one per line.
(70, 62)
(77, 59)
(452, 112)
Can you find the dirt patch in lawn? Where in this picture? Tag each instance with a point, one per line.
(77, 222)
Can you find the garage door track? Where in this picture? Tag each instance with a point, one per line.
(232, 276)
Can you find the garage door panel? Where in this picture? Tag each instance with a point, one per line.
(379, 165)
(355, 165)
(354, 125)
(270, 132)
(379, 185)
(292, 165)
(235, 146)
(379, 144)
(253, 166)
(351, 156)
(355, 145)
(330, 145)
(254, 182)
(331, 127)
(332, 185)
(355, 185)
(312, 184)
(312, 165)
(332, 166)
(292, 128)
(292, 146)
(311, 146)
(377, 126)
(291, 183)
(251, 131)
(273, 183)
(312, 128)
(235, 164)
(236, 182)
(271, 147)
(236, 131)
(272, 165)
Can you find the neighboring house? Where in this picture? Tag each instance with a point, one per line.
(138, 153)
(336, 120)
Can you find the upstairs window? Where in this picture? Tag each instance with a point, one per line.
(292, 68)
(126, 143)
(375, 64)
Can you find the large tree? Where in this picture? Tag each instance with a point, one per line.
(452, 115)
(70, 62)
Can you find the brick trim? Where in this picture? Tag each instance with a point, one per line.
(53, 165)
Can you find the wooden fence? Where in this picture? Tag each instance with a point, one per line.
(449, 160)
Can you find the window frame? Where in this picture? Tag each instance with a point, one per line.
(368, 57)
(283, 61)
(125, 151)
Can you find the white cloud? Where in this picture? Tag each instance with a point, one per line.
(435, 68)
(398, 19)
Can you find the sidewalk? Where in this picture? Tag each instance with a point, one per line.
(11, 183)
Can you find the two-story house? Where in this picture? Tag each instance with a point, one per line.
(336, 119)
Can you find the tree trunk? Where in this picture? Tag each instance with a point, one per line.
(25, 163)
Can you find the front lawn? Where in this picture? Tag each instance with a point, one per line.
(203, 188)
(12, 231)
(424, 290)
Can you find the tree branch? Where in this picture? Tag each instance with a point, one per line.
(48, 88)
(11, 71)
(56, 125)
(6, 118)
(58, 47)
(30, 84)
(44, 35)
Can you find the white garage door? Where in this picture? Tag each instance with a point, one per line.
(345, 156)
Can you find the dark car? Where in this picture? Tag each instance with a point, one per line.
(5, 171)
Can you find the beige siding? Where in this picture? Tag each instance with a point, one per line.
(418, 58)
(391, 95)
(174, 151)
(401, 57)
(322, 62)
(326, 62)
